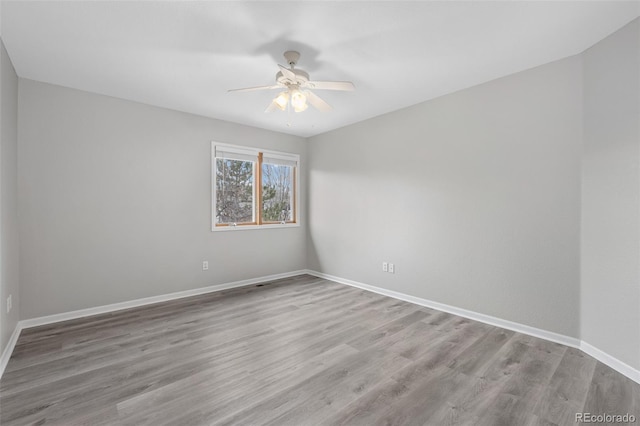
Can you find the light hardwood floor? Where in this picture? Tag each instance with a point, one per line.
(299, 351)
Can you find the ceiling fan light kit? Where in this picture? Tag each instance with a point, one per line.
(297, 84)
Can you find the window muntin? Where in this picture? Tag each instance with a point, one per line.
(253, 187)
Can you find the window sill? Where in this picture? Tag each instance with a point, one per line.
(248, 227)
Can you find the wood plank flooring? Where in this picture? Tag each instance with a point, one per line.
(299, 351)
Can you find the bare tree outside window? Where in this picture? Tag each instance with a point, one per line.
(277, 193)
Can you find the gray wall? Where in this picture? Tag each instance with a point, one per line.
(610, 297)
(475, 197)
(8, 197)
(115, 202)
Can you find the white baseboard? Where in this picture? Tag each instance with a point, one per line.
(476, 316)
(50, 319)
(612, 362)
(8, 350)
(598, 354)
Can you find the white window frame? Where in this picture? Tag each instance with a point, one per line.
(252, 152)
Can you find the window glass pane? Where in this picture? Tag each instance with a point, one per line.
(234, 191)
(277, 193)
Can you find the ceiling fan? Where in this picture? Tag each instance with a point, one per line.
(297, 87)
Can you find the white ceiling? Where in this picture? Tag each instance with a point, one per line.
(185, 55)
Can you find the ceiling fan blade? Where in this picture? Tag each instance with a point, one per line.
(317, 102)
(287, 73)
(330, 85)
(251, 89)
(272, 107)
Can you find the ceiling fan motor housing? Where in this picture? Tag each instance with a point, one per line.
(301, 78)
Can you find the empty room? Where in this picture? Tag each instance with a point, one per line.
(319, 213)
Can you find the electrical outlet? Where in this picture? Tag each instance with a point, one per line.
(384, 266)
(392, 268)
(9, 304)
(205, 265)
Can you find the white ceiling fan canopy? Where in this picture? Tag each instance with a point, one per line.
(292, 57)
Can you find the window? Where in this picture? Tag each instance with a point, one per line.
(253, 187)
